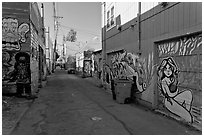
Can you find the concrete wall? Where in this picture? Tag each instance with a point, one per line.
(164, 31)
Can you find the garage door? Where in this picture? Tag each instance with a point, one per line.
(180, 78)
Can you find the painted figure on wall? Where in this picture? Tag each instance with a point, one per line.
(177, 102)
(21, 74)
(13, 34)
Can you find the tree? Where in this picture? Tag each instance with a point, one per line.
(71, 36)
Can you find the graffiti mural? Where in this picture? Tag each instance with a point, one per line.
(21, 73)
(183, 46)
(176, 101)
(13, 34)
(183, 58)
(127, 65)
(8, 61)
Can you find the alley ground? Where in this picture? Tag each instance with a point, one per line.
(71, 105)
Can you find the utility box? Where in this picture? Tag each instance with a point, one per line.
(122, 90)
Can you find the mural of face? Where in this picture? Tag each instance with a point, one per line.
(167, 71)
(12, 34)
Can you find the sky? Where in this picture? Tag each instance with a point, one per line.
(84, 17)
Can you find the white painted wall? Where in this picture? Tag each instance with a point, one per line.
(79, 59)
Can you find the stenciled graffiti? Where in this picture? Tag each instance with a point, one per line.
(183, 46)
(13, 34)
(176, 101)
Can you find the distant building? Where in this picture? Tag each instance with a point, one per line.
(79, 61)
(84, 63)
(163, 36)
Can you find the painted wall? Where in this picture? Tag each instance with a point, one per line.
(19, 34)
(169, 27)
(180, 78)
(15, 34)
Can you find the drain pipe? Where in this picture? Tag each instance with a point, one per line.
(139, 26)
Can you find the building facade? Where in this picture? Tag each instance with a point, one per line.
(161, 45)
(22, 33)
(79, 61)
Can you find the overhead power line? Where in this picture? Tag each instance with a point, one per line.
(88, 32)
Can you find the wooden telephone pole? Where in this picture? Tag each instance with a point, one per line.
(56, 27)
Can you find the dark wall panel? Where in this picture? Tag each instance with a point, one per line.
(180, 9)
(192, 14)
(177, 16)
(171, 19)
(151, 27)
(157, 27)
(162, 23)
(186, 14)
(199, 13)
(166, 21)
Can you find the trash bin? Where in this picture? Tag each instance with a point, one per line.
(123, 90)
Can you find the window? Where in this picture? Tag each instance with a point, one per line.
(110, 18)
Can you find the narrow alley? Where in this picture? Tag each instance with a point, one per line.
(71, 105)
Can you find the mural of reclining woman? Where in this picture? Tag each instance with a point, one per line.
(177, 102)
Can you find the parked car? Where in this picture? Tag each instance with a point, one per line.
(71, 71)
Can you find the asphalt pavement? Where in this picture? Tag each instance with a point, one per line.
(71, 105)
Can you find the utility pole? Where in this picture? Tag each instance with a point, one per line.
(104, 43)
(56, 27)
(63, 46)
(63, 53)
